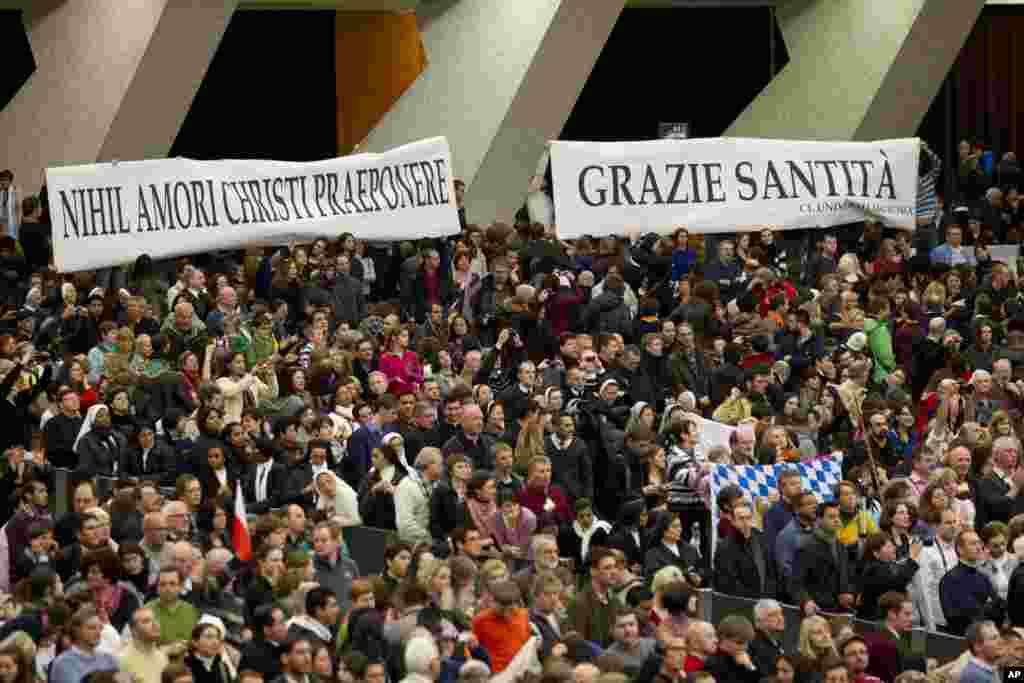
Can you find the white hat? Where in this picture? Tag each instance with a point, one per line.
(857, 342)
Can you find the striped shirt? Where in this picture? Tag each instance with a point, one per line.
(927, 201)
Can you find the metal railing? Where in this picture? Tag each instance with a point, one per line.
(366, 547)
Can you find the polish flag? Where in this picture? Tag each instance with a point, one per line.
(240, 528)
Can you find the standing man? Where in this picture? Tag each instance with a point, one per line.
(628, 644)
(176, 617)
(73, 665)
(854, 652)
(590, 611)
(332, 570)
(143, 657)
(769, 627)
(412, 498)
(822, 576)
(733, 662)
(985, 646)
(888, 648)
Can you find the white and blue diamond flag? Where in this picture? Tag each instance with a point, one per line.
(819, 477)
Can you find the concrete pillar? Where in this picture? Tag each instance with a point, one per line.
(858, 69)
(114, 80)
(501, 79)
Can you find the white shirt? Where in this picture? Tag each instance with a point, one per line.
(262, 475)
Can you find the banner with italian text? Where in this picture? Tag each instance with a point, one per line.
(726, 184)
(109, 214)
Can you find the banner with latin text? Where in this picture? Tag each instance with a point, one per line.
(725, 184)
(109, 214)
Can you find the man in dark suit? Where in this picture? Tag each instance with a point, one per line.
(822, 576)
(270, 631)
(153, 459)
(743, 564)
(769, 629)
(998, 493)
(265, 480)
(889, 652)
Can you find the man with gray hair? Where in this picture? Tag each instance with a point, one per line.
(998, 493)
(930, 355)
(412, 497)
(769, 627)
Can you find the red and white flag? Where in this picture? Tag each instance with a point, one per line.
(240, 528)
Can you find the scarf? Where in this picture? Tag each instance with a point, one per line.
(586, 534)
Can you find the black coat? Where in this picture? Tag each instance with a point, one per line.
(160, 464)
(881, 577)
(572, 469)
(446, 512)
(219, 673)
(688, 560)
(261, 655)
(736, 572)
(277, 482)
(725, 668)
(818, 575)
(100, 454)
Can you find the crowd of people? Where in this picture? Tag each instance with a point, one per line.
(534, 422)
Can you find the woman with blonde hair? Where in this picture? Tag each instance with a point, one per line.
(848, 265)
(814, 646)
(435, 577)
(959, 496)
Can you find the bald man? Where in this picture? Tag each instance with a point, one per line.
(471, 441)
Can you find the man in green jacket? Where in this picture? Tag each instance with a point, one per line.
(880, 340)
(176, 617)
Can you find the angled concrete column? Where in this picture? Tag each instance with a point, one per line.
(114, 80)
(501, 79)
(858, 69)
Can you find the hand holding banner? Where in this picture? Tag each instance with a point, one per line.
(109, 214)
(715, 185)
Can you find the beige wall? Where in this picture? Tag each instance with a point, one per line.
(501, 79)
(858, 69)
(114, 79)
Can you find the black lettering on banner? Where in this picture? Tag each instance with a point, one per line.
(886, 182)
(374, 175)
(163, 211)
(332, 195)
(845, 165)
(442, 181)
(408, 197)
(417, 183)
(744, 169)
(111, 212)
(245, 202)
(71, 212)
(199, 201)
(143, 215)
(281, 204)
(305, 204)
(650, 187)
(319, 190)
(677, 182)
(181, 196)
(361, 191)
(620, 185)
(96, 208)
(123, 226)
(808, 181)
(266, 199)
(827, 166)
(713, 179)
(387, 180)
(772, 180)
(349, 199)
(428, 174)
(259, 210)
(291, 180)
(601, 193)
(864, 167)
(696, 183)
(227, 205)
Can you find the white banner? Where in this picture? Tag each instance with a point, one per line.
(725, 184)
(109, 214)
